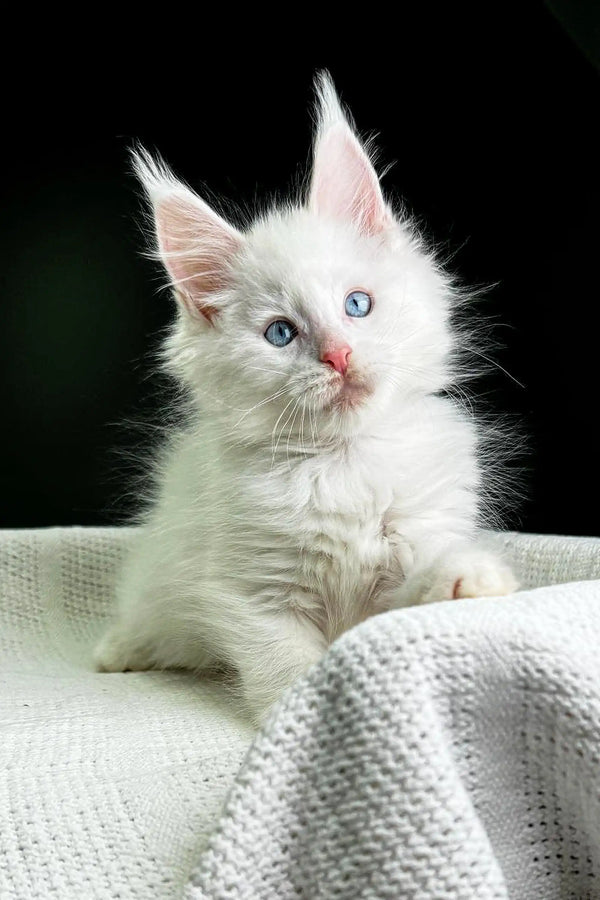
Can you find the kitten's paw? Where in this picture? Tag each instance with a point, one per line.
(469, 574)
(115, 653)
(462, 573)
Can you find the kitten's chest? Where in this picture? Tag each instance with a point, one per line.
(331, 517)
(344, 502)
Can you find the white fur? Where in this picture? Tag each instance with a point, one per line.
(285, 514)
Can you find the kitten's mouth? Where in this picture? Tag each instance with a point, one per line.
(348, 392)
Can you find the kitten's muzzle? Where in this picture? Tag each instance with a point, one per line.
(349, 391)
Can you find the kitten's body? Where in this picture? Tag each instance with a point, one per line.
(309, 492)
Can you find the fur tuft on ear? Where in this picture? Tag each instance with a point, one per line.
(194, 243)
(344, 184)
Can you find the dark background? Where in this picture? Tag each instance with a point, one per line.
(490, 119)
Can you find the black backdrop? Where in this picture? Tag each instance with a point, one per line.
(490, 120)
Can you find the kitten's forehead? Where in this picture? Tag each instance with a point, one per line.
(302, 234)
(297, 263)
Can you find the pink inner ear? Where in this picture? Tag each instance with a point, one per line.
(345, 184)
(197, 247)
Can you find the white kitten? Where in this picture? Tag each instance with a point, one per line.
(321, 478)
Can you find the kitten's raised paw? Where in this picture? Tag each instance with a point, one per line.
(463, 573)
(469, 575)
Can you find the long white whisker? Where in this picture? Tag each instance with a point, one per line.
(497, 366)
(302, 445)
(312, 421)
(263, 369)
(274, 431)
(274, 396)
(287, 446)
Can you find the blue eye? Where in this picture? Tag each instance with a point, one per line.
(358, 304)
(280, 333)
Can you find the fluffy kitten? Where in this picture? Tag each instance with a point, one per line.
(321, 477)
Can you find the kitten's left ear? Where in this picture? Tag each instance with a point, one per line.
(344, 184)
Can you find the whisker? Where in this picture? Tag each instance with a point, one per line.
(302, 425)
(497, 365)
(274, 396)
(281, 430)
(312, 425)
(263, 369)
(287, 446)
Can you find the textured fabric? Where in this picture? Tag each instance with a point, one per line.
(108, 783)
(450, 752)
(480, 717)
(543, 559)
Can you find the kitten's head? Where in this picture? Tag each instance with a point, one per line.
(309, 324)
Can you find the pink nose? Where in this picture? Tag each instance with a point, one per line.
(336, 355)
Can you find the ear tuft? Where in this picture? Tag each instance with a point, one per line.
(194, 243)
(344, 183)
(328, 109)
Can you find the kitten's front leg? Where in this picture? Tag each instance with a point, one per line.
(276, 650)
(457, 572)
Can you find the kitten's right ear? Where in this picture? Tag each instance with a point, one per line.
(194, 243)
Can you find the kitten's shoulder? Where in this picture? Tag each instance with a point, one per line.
(433, 418)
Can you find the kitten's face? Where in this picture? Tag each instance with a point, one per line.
(307, 326)
(320, 330)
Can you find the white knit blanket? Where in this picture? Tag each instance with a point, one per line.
(451, 751)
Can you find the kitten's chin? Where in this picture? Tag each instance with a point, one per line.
(348, 394)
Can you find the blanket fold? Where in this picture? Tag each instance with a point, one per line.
(451, 751)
